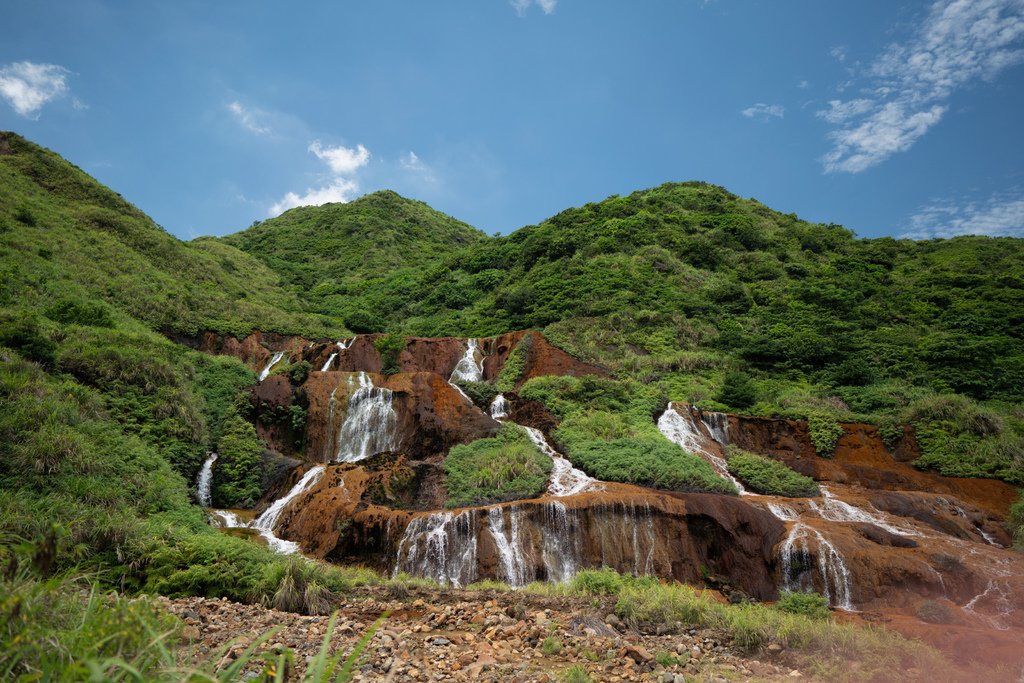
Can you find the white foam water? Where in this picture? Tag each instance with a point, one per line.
(440, 546)
(470, 366)
(205, 480)
(499, 407)
(683, 430)
(330, 361)
(835, 510)
(566, 480)
(266, 522)
(506, 532)
(835, 575)
(274, 360)
(370, 424)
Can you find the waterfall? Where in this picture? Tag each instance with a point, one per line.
(835, 575)
(683, 431)
(561, 541)
(345, 344)
(783, 512)
(327, 365)
(566, 480)
(468, 369)
(835, 510)
(225, 519)
(205, 479)
(499, 407)
(266, 522)
(512, 561)
(370, 423)
(270, 366)
(440, 546)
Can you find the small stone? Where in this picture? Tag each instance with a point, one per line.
(795, 674)
(441, 641)
(774, 647)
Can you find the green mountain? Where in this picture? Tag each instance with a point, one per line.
(68, 240)
(316, 247)
(727, 303)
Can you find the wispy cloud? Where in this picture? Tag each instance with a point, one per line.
(343, 163)
(28, 86)
(765, 112)
(412, 163)
(803, 84)
(342, 160)
(250, 119)
(838, 53)
(521, 6)
(998, 215)
(907, 89)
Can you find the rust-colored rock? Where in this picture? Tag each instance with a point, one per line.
(542, 358)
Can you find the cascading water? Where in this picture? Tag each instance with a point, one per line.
(275, 359)
(330, 360)
(469, 368)
(683, 431)
(205, 480)
(561, 544)
(345, 344)
(440, 546)
(834, 573)
(513, 567)
(370, 422)
(566, 480)
(835, 510)
(266, 522)
(499, 407)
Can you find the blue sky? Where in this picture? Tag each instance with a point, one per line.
(889, 117)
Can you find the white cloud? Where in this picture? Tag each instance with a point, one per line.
(411, 162)
(28, 86)
(764, 111)
(999, 215)
(340, 190)
(840, 111)
(250, 119)
(342, 160)
(803, 84)
(839, 53)
(521, 6)
(908, 85)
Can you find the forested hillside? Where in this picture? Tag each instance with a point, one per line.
(726, 302)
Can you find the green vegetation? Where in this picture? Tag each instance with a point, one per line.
(389, 346)
(550, 646)
(1016, 522)
(87, 257)
(825, 433)
(512, 370)
(504, 467)
(576, 673)
(809, 604)
(608, 431)
(237, 475)
(721, 302)
(768, 476)
(481, 393)
(820, 644)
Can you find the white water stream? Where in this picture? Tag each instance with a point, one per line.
(274, 360)
(370, 424)
(684, 431)
(205, 480)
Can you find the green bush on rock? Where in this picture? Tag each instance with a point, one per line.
(768, 476)
(507, 466)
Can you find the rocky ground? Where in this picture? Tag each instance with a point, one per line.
(476, 636)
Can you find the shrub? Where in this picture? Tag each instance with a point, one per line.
(738, 391)
(298, 585)
(934, 612)
(25, 334)
(72, 312)
(512, 370)
(576, 674)
(825, 433)
(646, 460)
(768, 476)
(237, 476)
(1016, 522)
(298, 372)
(504, 467)
(550, 646)
(389, 346)
(602, 581)
(481, 393)
(809, 604)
